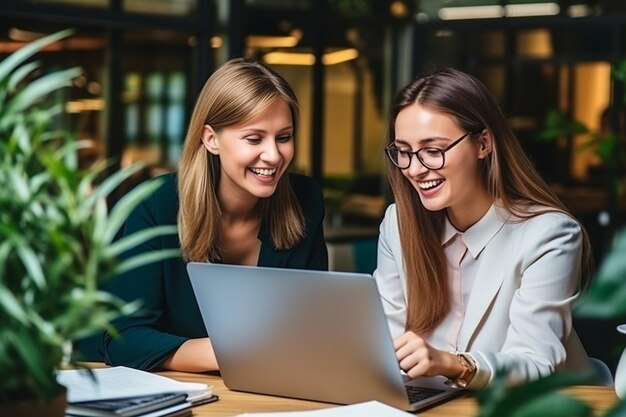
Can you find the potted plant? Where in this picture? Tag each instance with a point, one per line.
(56, 236)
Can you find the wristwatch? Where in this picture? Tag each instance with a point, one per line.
(469, 370)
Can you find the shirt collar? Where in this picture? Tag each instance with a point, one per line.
(477, 236)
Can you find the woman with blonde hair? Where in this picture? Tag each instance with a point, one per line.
(479, 263)
(233, 202)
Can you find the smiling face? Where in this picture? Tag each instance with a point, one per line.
(457, 186)
(254, 154)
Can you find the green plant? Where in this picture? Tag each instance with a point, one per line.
(606, 297)
(56, 232)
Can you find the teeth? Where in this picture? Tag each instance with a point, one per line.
(429, 184)
(264, 172)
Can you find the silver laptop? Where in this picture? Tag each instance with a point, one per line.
(312, 335)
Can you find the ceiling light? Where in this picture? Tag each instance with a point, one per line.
(578, 10)
(470, 12)
(490, 12)
(216, 42)
(337, 57)
(262, 41)
(305, 58)
(532, 9)
(289, 58)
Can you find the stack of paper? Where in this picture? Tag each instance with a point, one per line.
(121, 391)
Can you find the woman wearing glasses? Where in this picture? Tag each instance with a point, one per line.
(478, 261)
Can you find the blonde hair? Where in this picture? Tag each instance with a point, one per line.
(508, 175)
(237, 91)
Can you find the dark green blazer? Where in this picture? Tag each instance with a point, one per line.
(170, 314)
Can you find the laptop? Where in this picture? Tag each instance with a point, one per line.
(314, 335)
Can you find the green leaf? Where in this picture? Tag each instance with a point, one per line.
(558, 125)
(606, 298)
(501, 400)
(111, 183)
(53, 224)
(21, 73)
(31, 263)
(127, 204)
(22, 54)
(145, 259)
(39, 88)
(12, 306)
(29, 351)
(128, 242)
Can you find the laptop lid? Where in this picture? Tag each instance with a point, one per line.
(313, 335)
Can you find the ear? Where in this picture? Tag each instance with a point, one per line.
(209, 140)
(485, 144)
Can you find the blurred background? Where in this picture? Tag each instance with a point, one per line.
(556, 68)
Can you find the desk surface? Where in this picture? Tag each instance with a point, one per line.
(232, 403)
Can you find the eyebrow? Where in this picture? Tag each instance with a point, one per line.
(425, 141)
(258, 130)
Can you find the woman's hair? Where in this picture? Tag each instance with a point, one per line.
(508, 175)
(236, 92)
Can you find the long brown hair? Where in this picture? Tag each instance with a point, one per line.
(237, 91)
(508, 175)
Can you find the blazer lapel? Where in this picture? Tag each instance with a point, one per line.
(490, 278)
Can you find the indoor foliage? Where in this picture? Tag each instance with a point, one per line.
(56, 232)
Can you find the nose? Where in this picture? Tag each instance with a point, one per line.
(416, 168)
(270, 153)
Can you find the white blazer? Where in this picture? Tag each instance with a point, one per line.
(518, 314)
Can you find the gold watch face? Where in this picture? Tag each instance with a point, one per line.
(465, 361)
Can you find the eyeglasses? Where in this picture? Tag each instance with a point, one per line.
(430, 157)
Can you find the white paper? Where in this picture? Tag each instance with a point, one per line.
(119, 382)
(370, 408)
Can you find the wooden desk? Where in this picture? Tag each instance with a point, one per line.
(232, 403)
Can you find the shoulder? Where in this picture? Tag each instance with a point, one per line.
(551, 221)
(304, 183)
(549, 228)
(308, 192)
(168, 188)
(389, 224)
(162, 204)
(391, 216)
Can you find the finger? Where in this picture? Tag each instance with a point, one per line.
(406, 338)
(410, 361)
(420, 369)
(401, 341)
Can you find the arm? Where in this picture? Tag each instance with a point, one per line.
(540, 309)
(319, 253)
(144, 342)
(546, 265)
(194, 355)
(318, 258)
(389, 274)
(311, 202)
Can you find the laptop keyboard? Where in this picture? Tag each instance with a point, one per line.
(420, 393)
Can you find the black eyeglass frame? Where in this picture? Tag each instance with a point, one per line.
(443, 151)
